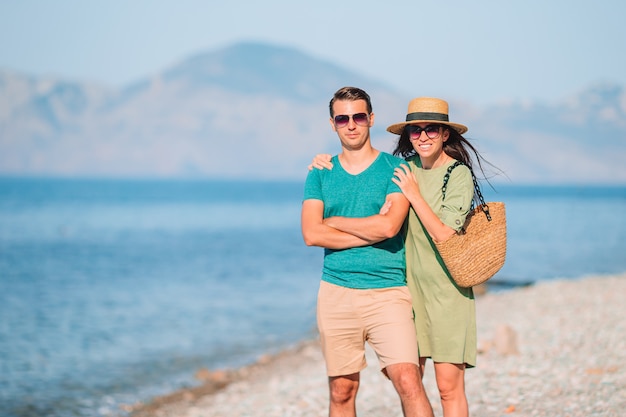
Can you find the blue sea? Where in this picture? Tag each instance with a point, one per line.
(114, 291)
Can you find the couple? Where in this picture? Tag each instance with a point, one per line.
(381, 280)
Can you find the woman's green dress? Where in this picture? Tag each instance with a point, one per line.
(445, 314)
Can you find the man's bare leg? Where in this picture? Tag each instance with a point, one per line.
(407, 380)
(343, 391)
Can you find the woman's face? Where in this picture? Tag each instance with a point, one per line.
(427, 139)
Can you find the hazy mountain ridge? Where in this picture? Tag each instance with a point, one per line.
(261, 111)
(580, 139)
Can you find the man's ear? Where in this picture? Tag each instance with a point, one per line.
(332, 124)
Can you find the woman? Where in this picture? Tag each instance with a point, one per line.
(445, 316)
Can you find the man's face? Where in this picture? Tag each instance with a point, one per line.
(355, 131)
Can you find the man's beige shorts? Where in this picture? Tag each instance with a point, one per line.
(348, 317)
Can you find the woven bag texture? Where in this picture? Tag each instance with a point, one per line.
(475, 256)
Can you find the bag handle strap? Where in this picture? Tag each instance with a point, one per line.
(484, 207)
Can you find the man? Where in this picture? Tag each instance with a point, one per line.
(363, 294)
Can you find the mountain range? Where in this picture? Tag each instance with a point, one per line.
(260, 111)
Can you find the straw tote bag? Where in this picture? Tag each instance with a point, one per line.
(477, 252)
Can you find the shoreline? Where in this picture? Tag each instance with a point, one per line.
(555, 347)
(212, 382)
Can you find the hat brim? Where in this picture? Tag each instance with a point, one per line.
(399, 127)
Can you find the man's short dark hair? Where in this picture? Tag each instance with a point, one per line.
(350, 94)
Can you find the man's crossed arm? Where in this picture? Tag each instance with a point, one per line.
(350, 232)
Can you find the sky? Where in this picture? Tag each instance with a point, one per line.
(478, 51)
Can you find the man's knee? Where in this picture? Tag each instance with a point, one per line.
(343, 389)
(405, 377)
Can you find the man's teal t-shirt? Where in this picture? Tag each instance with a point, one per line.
(380, 265)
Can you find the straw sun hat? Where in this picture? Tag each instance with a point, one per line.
(424, 110)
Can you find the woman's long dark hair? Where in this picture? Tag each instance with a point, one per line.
(456, 147)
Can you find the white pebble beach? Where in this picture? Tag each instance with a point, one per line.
(555, 348)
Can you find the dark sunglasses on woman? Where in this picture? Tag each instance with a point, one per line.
(432, 131)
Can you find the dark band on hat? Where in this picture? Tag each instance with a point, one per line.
(440, 117)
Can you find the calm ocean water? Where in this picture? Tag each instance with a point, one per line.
(115, 291)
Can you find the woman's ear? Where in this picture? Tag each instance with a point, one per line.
(446, 133)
